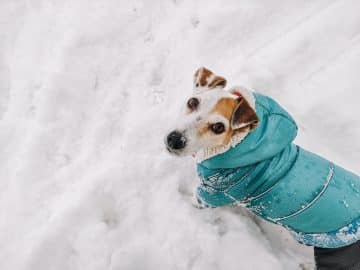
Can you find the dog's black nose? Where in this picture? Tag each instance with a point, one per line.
(176, 140)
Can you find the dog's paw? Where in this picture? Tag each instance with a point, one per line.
(197, 203)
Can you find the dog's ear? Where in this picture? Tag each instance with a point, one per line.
(205, 79)
(243, 115)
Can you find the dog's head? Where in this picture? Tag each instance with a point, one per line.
(212, 116)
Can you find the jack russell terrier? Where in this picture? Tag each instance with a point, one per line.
(243, 144)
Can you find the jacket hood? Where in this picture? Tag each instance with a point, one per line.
(276, 130)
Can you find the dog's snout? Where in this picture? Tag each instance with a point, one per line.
(176, 140)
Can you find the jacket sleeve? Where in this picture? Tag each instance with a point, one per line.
(209, 197)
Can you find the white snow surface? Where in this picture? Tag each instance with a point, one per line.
(88, 90)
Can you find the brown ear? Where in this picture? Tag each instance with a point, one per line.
(205, 79)
(243, 115)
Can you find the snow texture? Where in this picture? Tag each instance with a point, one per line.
(88, 89)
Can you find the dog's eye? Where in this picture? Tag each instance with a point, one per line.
(193, 103)
(217, 128)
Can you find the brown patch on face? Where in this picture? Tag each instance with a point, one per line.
(224, 107)
(238, 110)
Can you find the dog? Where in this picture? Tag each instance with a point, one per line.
(243, 144)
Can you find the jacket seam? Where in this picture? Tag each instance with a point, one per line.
(298, 212)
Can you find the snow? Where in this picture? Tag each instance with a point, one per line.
(88, 90)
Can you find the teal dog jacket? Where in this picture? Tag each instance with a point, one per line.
(318, 201)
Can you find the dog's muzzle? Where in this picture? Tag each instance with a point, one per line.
(175, 141)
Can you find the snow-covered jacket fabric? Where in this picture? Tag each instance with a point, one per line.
(318, 201)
